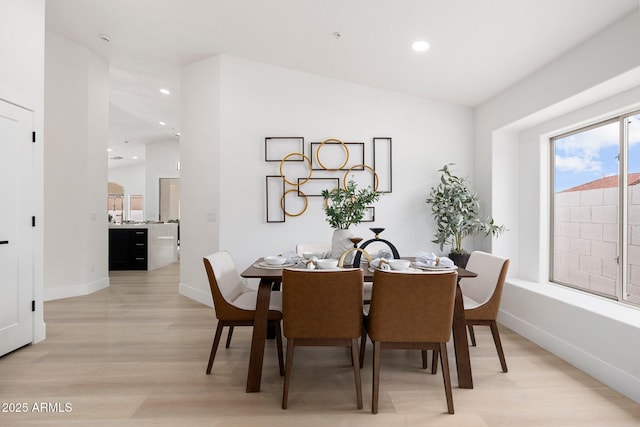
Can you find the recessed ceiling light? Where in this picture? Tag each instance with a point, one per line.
(420, 46)
(135, 157)
(161, 123)
(109, 150)
(165, 91)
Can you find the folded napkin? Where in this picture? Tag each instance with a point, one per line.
(429, 259)
(292, 257)
(380, 263)
(385, 254)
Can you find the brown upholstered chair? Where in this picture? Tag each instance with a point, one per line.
(482, 295)
(322, 308)
(411, 311)
(235, 303)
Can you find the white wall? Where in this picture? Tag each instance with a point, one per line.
(598, 77)
(22, 82)
(131, 177)
(161, 159)
(257, 101)
(200, 179)
(76, 123)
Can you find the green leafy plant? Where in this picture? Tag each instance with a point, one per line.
(345, 207)
(456, 210)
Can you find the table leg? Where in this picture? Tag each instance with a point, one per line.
(254, 376)
(461, 344)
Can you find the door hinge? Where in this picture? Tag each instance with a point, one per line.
(33, 306)
(33, 137)
(33, 221)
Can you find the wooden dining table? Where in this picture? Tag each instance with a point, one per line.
(273, 276)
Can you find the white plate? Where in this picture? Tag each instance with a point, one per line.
(421, 267)
(320, 269)
(408, 270)
(264, 264)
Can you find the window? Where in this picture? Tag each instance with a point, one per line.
(115, 207)
(595, 215)
(136, 208)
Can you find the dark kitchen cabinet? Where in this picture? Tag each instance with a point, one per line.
(128, 249)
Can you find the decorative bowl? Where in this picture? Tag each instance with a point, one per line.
(399, 264)
(275, 259)
(325, 264)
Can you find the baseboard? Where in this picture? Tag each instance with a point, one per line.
(51, 294)
(39, 331)
(611, 375)
(195, 294)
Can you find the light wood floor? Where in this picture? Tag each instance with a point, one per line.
(135, 354)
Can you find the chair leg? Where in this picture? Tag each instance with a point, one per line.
(278, 331)
(434, 363)
(214, 347)
(287, 372)
(229, 334)
(496, 340)
(355, 357)
(376, 377)
(472, 335)
(425, 355)
(444, 360)
(363, 345)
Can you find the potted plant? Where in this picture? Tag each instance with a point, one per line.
(345, 207)
(456, 210)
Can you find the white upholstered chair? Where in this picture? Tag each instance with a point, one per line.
(482, 295)
(235, 303)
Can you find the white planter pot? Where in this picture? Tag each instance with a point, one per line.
(340, 243)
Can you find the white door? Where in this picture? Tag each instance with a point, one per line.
(16, 240)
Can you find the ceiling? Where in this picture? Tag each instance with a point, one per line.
(478, 47)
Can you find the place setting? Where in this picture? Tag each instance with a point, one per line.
(276, 262)
(428, 261)
(308, 261)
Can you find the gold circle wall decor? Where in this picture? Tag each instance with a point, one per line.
(301, 194)
(284, 159)
(332, 140)
(375, 176)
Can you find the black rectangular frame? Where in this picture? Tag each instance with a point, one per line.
(273, 140)
(381, 173)
(267, 200)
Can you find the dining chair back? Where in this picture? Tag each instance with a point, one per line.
(482, 295)
(226, 286)
(322, 308)
(411, 311)
(235, 303)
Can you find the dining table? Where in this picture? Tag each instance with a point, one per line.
(272, 277)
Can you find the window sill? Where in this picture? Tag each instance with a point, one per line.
(618, 311)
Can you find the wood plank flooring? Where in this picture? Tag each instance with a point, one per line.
(135, 355)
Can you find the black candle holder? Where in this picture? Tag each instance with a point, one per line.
(376, 231)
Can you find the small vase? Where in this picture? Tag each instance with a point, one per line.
(340, 243)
